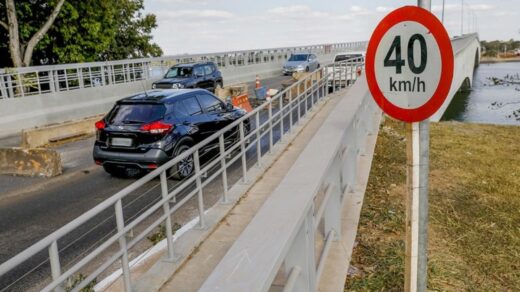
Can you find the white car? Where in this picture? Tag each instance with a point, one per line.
(350, 64)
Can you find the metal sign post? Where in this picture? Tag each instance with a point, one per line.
(409, 71)
(417, 158)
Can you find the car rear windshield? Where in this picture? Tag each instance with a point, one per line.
(179, 72)
(298, 58)
(340, 58)
(136, 113)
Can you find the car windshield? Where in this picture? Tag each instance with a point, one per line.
(340, 58)
(136, 113)
(298, 58)
(179, 72)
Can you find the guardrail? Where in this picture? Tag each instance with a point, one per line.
(242, 145)
(315, 188)
(27, 81)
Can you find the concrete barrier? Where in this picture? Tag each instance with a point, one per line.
(27, 112)
(37, 137)
(30, 162)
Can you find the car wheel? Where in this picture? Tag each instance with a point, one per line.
(307, 69)
(185, 167)
(116, 171)
(319, 65)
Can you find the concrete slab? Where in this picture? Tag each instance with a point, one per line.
(340, 253)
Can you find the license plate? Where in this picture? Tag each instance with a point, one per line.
(125, 142)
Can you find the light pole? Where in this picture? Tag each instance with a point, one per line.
(461, 17)
(443, 11)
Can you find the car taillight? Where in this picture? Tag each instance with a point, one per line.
(156, 127)
(100, 125)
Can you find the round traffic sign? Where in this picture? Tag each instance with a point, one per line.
(409, 64)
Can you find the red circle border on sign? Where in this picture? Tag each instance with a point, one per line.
(428, 20)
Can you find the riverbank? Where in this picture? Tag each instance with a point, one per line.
(492, 60)
(474, 218)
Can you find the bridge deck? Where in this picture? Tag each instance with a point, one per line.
(192, 275)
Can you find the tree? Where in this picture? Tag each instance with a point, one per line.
(16, 48)
(86, 31)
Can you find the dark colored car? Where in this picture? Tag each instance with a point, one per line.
(194, 75)
(146, 130)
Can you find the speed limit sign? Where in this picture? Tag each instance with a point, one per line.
(409, 64)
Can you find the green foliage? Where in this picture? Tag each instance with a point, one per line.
(85, 31)
(498, 46)
(158, 236)
(76, 280)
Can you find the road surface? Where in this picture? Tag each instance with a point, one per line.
(32, 208)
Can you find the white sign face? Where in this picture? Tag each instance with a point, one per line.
(408, 65)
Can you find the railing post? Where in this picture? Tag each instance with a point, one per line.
(305, 95)
(122, 245)
(54, 259)
(298, 101)
(81, 82)
(301, 253)
(200, 198)
(291, 109)
(280, 113)
(243, 150)
(168, 221)
(350, 162)
(52, 83)
(223, 165)
(258, 139)
(270, 119)
(333, 77)
(332, 216)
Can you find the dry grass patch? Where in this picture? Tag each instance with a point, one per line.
(474, 211)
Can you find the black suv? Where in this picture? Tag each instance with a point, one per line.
(195, 75)
(146, 130)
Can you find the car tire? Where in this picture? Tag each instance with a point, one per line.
(319, 66)
(115, 171)
(307, 69)
(185, 167)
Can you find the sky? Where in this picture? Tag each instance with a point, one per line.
(204, 26)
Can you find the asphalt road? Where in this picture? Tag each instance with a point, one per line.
(30, 209)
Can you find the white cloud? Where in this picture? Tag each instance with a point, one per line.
(207, 15)
(456, 7)
(384, 9)
(296, 12)
(481, 7)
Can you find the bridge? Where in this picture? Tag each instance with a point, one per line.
(276, 211)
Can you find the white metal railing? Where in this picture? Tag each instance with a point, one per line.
(315, 188)
(242, 145)
(27, 81)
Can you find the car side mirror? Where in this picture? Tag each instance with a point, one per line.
(229, 107)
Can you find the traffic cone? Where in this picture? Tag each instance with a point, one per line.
(257, 84)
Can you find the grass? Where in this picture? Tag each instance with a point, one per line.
(474, 220)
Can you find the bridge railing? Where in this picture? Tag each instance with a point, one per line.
(27, 81)
(238, 149)
(309, 202)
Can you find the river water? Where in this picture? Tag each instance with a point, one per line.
(491, 101)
